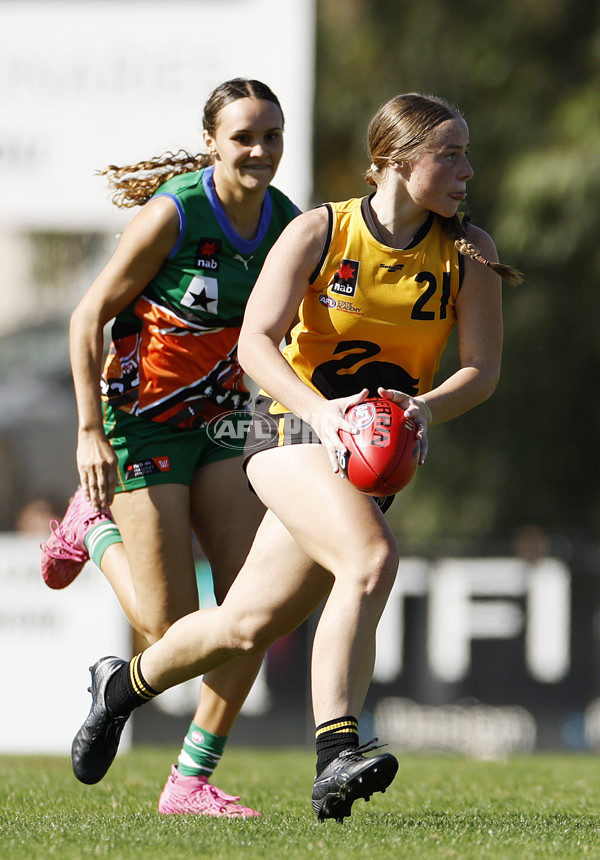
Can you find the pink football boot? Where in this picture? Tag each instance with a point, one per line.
(195, 795)
(64, 553)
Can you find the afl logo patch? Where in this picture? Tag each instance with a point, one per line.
(363, 415)
(328, 301)
(346, 278)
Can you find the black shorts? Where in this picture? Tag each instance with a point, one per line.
(272, 426)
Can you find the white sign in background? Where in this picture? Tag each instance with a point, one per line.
(87, 84)
(84, 85)
(48, 641)
(470, 599)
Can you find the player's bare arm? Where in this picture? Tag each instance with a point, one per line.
(274, 303)
(143, 248)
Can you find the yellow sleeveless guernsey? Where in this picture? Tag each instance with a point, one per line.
(373, 315)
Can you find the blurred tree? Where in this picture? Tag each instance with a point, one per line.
(526, 74)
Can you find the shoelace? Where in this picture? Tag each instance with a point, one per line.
(65, 549)
(368, 746)
(218, 797)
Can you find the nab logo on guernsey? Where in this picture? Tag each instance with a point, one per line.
(207, 254)
(346, 278)
(230, 429)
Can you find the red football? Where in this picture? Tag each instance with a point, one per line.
(383, 456)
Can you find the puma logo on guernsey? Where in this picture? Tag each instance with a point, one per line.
(244, 261)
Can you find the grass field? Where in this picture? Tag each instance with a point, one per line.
(530, 807)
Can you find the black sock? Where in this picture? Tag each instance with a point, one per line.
(128, 689)
(333, 737)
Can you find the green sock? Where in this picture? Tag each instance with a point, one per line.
(201, 752)
(99, 538)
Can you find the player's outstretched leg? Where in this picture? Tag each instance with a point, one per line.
(95, 744)
(195, 795)
(64, 554)
(350, 776)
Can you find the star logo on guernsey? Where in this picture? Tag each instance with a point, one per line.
(346, 278)
(202, 294)
(207, 254)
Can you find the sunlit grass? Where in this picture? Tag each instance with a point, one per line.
(529, 807)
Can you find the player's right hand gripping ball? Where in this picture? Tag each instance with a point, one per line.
(383, 456)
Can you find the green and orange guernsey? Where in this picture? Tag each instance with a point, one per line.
(173, 356)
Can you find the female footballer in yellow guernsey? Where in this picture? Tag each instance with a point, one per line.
(378, 285)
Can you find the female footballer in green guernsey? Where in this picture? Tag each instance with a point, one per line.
(378, 285)
(176, 288)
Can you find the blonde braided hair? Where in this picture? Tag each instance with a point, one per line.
(454, 227)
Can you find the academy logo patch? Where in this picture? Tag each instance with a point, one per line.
(346, 278)
(202, 294)
(207, 254)
(147, 467)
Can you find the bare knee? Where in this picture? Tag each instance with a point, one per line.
(252, 634)
(374, 570)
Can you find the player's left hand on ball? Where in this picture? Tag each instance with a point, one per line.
(413, 408)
